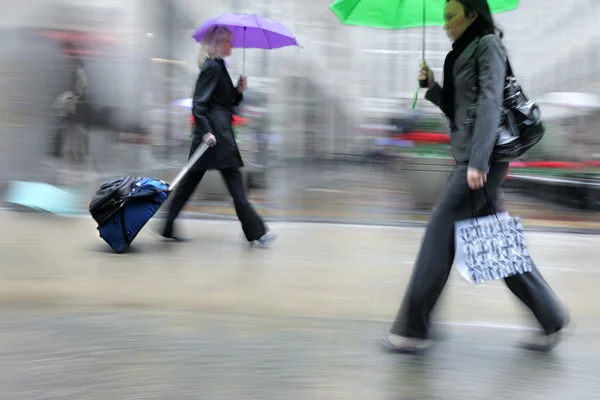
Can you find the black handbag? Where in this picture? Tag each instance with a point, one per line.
(111, 196)
(521, 125)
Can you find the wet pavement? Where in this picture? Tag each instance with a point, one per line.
(124, 354)
(218, 319)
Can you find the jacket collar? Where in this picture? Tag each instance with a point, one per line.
(465, 56)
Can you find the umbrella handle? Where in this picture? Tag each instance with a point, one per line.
(415, 99)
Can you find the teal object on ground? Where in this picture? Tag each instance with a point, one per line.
(44, 197)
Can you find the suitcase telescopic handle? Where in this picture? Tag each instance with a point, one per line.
(193, 159)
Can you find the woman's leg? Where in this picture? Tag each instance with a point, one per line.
(183, 192)
(436, 256)
(431, 270)
(533, 290)
(252, 224)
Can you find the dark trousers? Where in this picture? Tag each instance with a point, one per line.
(436, 257)
(58, 138)
(252, 224)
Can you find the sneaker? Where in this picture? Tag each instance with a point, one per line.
(176, 238)
(169, 236)
(401, 344)
(542, 342)
(267, 239)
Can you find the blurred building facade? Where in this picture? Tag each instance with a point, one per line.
(317, 94)
(353, 74)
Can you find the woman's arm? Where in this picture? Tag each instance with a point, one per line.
(434, 94)
(491, 63)
(205, 87)
(239, 97)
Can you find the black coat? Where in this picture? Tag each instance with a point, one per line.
(214, 98)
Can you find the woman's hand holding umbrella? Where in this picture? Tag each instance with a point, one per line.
(242, 84)
(426, 74)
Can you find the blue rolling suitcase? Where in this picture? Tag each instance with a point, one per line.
(123, 206)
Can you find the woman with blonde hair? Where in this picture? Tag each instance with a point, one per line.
(214, 98)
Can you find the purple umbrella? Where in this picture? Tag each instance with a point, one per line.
(250, 31)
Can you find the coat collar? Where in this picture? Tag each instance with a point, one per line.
(465, 56)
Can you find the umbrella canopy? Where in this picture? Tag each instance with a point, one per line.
(399, 14)
(250, 31)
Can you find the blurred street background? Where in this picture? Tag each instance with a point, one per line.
(329, 130)
(338, 162)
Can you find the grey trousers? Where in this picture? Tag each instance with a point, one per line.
(436, 257)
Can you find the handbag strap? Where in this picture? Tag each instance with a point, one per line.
(509, 71)
(489, 202)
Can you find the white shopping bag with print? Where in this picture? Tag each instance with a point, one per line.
(491, 247)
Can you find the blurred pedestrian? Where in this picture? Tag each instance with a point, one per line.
(477, 44)
(67, 103)
(70, 144)
(213, 103)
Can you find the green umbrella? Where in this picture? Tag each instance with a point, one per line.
(400, 14)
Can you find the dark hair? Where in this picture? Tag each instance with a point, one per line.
(484, 20)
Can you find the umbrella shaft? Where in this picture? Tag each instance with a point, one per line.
(424, 26)
(423, 44)
(244, 55)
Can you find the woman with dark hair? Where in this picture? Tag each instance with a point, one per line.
(473, 92)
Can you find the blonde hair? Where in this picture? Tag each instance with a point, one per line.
(210, 43)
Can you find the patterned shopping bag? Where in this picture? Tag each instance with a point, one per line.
(491, 247)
